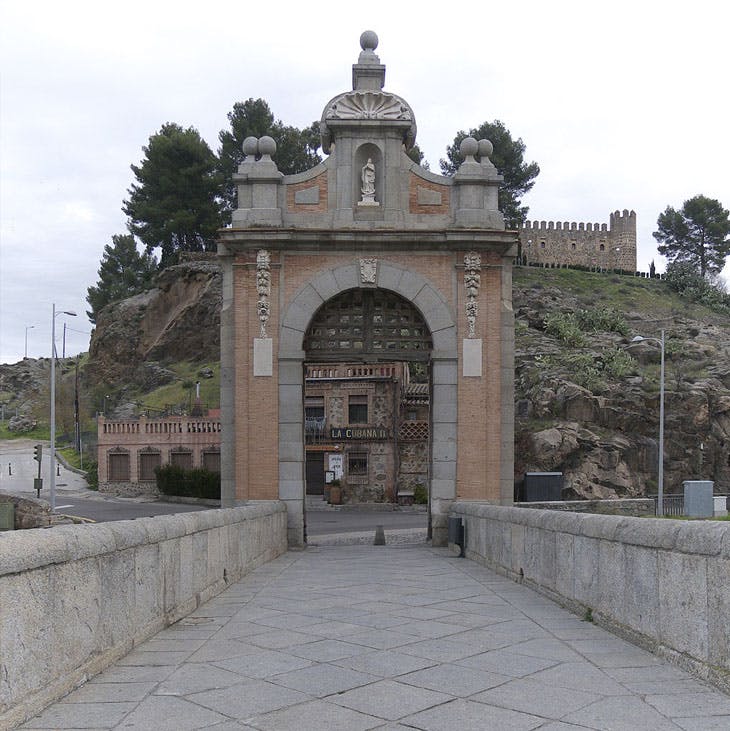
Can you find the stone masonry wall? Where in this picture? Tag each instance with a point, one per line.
(662, 584)
(611, 246)
(77, 598)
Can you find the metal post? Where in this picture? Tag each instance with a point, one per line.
(660, 485)
(52, 457)
(52, 460)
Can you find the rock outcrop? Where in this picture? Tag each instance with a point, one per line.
(604, 435)
(177, 320)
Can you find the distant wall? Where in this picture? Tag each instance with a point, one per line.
(662, 584)
(592, 245)
(639, 507)
(74, 599)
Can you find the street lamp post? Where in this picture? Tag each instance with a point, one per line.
(52, 468)
(28, 327)
(660, 471)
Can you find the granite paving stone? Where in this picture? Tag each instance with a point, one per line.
(506, 662)
(315, 716)
(166, 713)
(248, 699)
(195, 678)
(350, 637)
(627, 713)
(529, 696)
(454, 679)
(390, 700)
(467, 715)
(323, 679)
(81, 715)
(326, 650)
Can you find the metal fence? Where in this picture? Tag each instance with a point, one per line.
(673, 504)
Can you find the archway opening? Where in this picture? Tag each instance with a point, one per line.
(367, 405)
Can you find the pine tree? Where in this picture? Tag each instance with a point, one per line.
(123, 272)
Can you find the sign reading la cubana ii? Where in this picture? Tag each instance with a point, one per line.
(361, 433)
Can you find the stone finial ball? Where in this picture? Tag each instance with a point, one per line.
(486, 148)
(369, 40)
(267, 145)
(469, 147)
(250, 147)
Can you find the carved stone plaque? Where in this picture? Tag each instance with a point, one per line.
(368, 270)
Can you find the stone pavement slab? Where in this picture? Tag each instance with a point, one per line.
(386, 637)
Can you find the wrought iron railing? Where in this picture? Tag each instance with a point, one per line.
(673, 504)
(314, 429)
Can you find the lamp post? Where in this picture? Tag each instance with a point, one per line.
(27, 327)
(660, 475)
(53, 403)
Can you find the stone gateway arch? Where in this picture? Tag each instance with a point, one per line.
(367, 218)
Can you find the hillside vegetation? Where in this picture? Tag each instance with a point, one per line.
(587, 397)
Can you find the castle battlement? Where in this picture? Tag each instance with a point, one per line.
(601, 245)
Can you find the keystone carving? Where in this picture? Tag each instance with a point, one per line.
(368, 270)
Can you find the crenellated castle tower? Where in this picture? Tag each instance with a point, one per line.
(602, 246)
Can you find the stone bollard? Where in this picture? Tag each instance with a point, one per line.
(379, 536)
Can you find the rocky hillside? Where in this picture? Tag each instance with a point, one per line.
(178, 320)
(587, 397)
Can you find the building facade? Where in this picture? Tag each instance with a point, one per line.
(367, 258)
(129, 450)
(366, 431)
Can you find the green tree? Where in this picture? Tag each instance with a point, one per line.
(296, 150)
(509, 158)
(175, 204)
(123, 272)
(697, 234)
(416, 154)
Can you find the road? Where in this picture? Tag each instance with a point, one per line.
(73, 497)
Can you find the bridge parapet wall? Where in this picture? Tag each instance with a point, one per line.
(662, 584)
(74, 599)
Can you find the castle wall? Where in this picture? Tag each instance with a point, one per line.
(592, 245)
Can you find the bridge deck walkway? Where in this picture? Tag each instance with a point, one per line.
(394, 637)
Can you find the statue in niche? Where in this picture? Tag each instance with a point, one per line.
(368, 178)
(368, 184)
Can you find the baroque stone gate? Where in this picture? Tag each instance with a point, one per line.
(367, 217)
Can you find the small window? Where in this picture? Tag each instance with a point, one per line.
(212, 461)
(147, 463)
(182, 459)
(118, 468)
(357, 464)
(572, 246)
(357, 409)
(542, 244)
(314, 407)
(602, 247)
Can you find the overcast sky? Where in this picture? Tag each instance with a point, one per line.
(622, 104)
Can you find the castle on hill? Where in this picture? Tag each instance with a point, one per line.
(589, 245)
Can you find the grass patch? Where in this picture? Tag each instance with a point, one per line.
(180, 393)
(41, 433)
